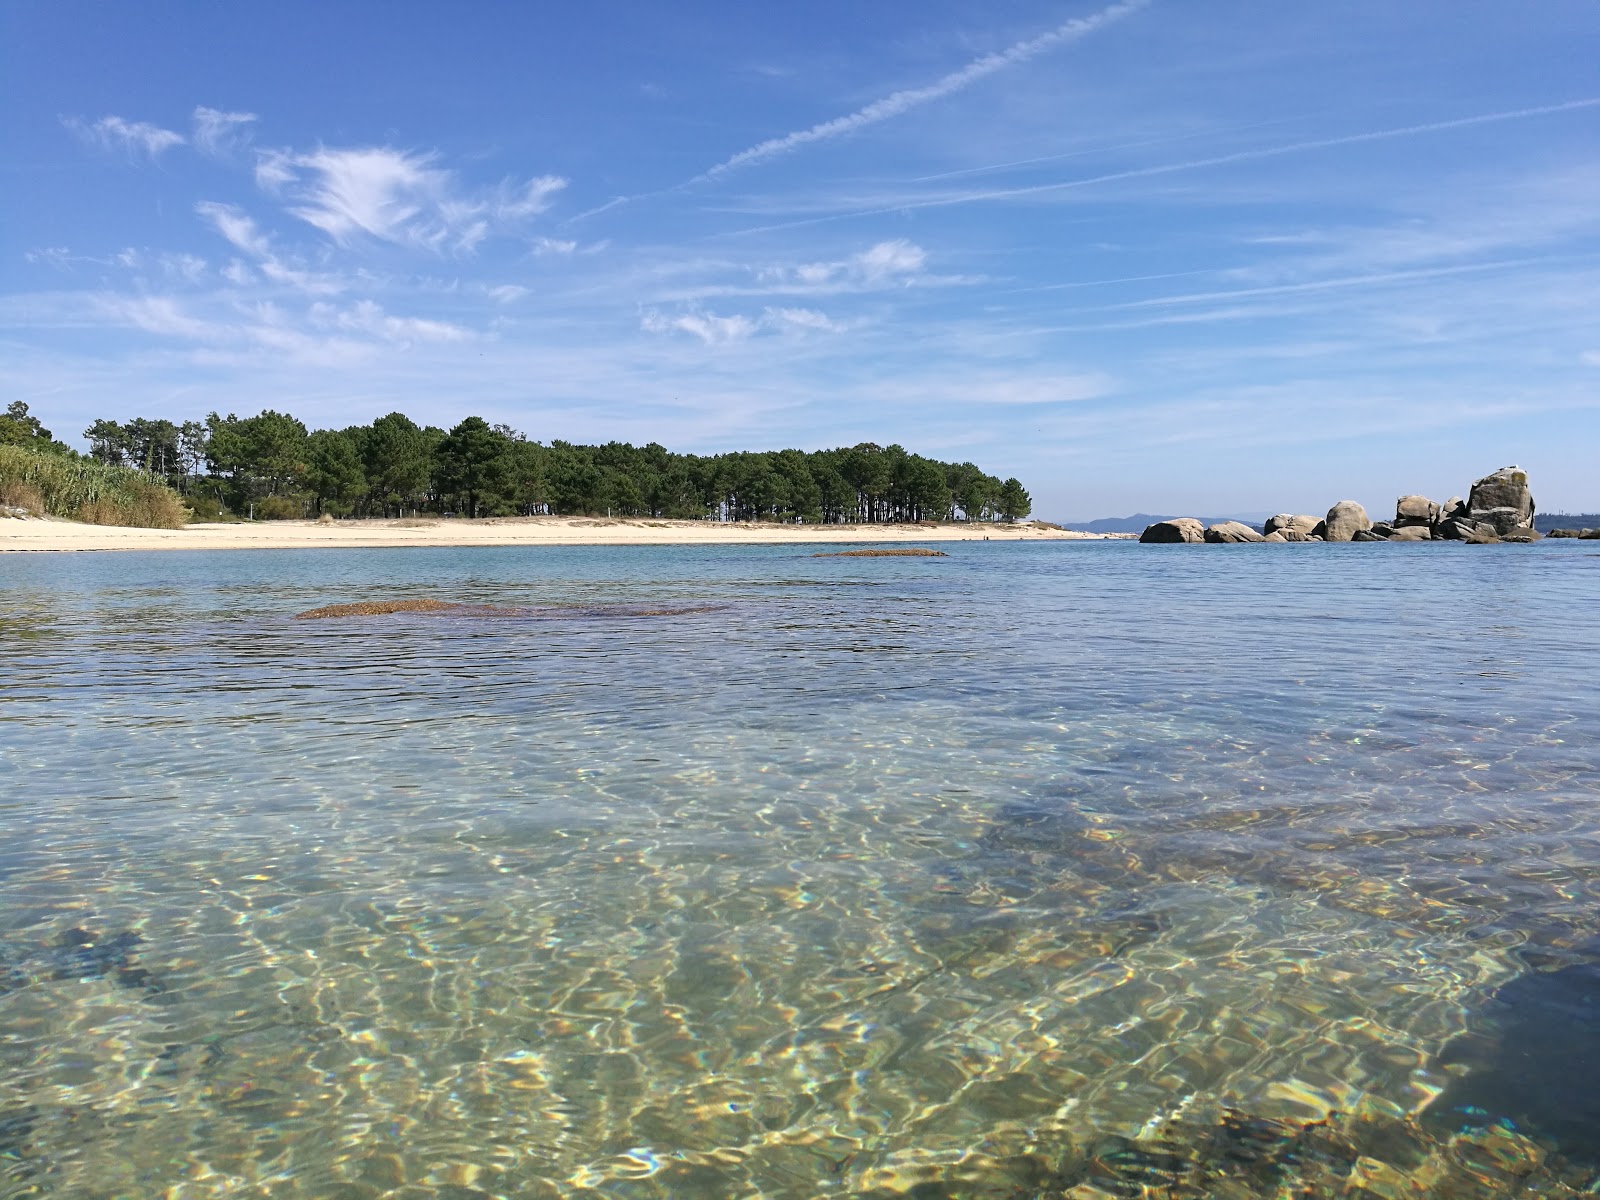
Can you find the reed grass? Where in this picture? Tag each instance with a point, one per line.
(80, 488)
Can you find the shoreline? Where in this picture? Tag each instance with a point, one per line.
(45, 535)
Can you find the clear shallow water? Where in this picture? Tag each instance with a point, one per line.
(1129, 870)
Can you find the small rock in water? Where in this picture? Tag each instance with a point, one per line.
(1539, 1066)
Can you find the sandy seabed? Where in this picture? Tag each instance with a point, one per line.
(57, 535)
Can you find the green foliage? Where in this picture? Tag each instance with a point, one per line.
(397, 456)
(65, 485)
(17, 428)
(334, 470)
(476, 469)
(473, 465)
(1015, 503)
(268, 449)
(279, 508)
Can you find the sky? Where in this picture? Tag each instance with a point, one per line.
(1148, 256)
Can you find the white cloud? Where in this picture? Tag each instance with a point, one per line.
(910, 203)
(216, 133)
(274, 170)
(546, 245)
(887, 260)
(136, 138)
(801, 318)
(902, 101)
(708, 327)
(533, 198)
(887, 264)
(158, 314)
(506, 293)
(237, 273)
(368, 317)
(375, 190)
(398, 196)
(58, 257)
(240, 229)
(714, 330)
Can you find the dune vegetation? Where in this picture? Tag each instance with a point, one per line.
(64, 485)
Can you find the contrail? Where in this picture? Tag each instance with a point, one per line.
(1197, 163)
(902, 101)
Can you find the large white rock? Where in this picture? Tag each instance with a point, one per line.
(1343, 519)
(1179, 529)
(1298, 522)
(1231, 531)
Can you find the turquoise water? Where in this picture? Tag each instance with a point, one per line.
(1086, 869)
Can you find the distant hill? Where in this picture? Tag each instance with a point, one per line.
(1545, 522)
(1138, 521)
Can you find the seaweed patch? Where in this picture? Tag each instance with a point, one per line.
(430, 607)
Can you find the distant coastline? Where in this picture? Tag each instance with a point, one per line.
(55, 535)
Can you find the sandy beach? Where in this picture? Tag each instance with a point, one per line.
(46, 535)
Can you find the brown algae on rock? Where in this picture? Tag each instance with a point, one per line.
(379, 608)
(891, 552)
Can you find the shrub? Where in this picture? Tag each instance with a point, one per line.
(280, 508)
(204, 507)
(16, 494)
(61, 485)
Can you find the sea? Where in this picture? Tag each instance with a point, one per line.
(1078, 869)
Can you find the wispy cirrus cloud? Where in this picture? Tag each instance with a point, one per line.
(708, 327)
(369, 317)
(714, 330)
(242, 232)
(398, 196)
(912, 202)
(891, 262)
(896, 103)
(137, 139)
(216, 133)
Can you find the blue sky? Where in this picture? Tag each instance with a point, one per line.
(1234, 256)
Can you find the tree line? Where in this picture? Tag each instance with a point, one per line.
(271, 465)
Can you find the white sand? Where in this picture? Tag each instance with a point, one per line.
(54, 535)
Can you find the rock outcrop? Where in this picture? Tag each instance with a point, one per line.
(1344, 519)
(1179, 529)
(1499, 508)
(1296, 522)
(1232, 531)
(1503, 502)
(1415, 512)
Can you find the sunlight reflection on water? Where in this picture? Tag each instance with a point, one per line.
(1035, 868)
